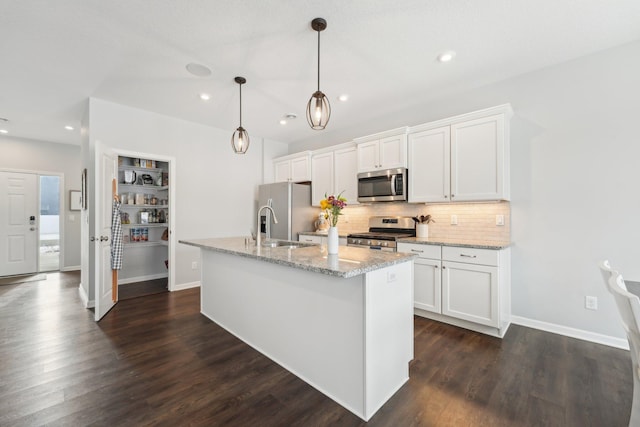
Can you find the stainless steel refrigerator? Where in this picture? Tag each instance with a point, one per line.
(292, 206)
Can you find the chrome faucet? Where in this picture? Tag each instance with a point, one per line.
(258, 233)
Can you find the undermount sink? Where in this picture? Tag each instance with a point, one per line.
(285, 244)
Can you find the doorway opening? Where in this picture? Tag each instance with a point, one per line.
(49, 259)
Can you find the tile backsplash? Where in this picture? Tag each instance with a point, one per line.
(475, 220)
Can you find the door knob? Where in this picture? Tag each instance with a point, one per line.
(32, 228)
(104, 238)
(92, 239)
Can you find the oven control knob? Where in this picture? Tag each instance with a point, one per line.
(385, 244)
(378, 243)
(359, 241)
(369, 242)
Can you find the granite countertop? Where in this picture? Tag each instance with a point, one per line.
(349, 262)
(465, 243)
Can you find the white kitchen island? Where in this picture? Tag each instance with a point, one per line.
(343, 324)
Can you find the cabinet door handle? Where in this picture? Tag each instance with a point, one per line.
(453, 195)
(416, 250)
(92, 239)
(446, 197)
(468, 256)
(443, 267)
(436, 266)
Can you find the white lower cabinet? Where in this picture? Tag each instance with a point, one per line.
(466, 287)
(470, 292)
(427, 285)
(426, 276)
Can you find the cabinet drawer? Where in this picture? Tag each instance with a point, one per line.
(423, 251)
(470, 255)
(310, 239)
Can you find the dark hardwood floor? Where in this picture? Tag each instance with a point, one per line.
(142, 289)
(157, 361)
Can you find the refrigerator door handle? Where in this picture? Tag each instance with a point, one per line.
(267, 228)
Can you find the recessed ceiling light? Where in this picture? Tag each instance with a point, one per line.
(286, 117)
(4, 131)
(67, 127)
(205, 96)
(198, 69)
(446, 56)
(343, 98)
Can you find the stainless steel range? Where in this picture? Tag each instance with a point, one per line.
(383, 233)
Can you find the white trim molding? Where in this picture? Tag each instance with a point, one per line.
(183, 286)
(86, 302)
(70, 268)
(571, 332)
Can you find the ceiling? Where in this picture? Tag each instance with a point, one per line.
(382, 53)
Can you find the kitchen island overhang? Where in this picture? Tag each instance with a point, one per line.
(342, 324)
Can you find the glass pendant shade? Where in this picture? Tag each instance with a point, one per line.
(240, 138)
(240, 141)
(318, 111)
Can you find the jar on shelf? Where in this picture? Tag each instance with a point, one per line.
(154, 200)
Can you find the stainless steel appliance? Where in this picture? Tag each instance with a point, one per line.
(292, 206)
(383, 233)
(387, 185)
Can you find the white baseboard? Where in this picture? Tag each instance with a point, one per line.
(71, 268)
(183, 286)
(572, 332)
(86, 302)
(142, 278)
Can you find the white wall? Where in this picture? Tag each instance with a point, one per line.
(30, 155)
(215, 188)
(575, 198)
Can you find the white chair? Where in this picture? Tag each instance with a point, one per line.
(629, 309)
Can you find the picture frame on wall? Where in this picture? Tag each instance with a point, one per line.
(83, 195)
(75, 200)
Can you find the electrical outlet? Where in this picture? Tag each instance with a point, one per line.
(194, 265)
(454, 219)
(391, 276)
(591, 303)
(499, 220)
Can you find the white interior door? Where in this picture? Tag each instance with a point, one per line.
(106, 169)
(18, 223)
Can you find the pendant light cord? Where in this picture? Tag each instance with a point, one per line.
(318, 61)
(240, 104)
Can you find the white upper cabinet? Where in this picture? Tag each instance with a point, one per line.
(322, 171)
(385, 150)
(464, 158)
(282, 170)
(429, 165)
(294, 168)
(368, 156)
(334, 172)
(346, 174)
(478, 170)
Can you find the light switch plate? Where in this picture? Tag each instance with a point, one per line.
(454, 219)
(500, 220)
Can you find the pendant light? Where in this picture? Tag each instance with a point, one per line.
(240, 138)
(318, 108)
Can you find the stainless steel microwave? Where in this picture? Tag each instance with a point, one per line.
(387, 185)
